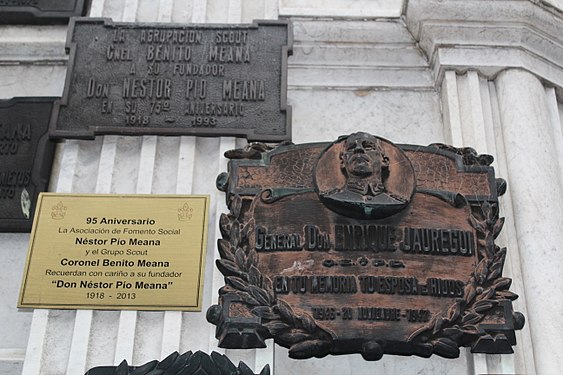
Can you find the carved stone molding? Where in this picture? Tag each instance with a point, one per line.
(489, 36)
(341, 8)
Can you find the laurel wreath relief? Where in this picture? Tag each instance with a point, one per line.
(296, 330)
(442, 335)
(445, 333)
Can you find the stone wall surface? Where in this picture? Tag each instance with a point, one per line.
(484, 74)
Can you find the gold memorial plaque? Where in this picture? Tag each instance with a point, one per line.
(116, 252)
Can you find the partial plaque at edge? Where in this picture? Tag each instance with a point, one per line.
(171, 79)
(188, 363)
(40, 11)
(26, 155)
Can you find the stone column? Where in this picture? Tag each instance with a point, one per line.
(532, 139)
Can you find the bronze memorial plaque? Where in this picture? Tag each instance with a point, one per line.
(26, 157)
(173, 79)
(363, 246)
(116, 252)
(40, 11)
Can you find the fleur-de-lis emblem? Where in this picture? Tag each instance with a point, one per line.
(185, 212)
(58, 211)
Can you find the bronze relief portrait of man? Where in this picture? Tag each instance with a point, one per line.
(364, 176)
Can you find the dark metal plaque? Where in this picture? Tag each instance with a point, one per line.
(40, 11)
(162, 79)
(363, 246)
(198, 363)
(26, 156)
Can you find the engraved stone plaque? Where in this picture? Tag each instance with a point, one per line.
(40, 11)
(166, 79)
(122, 252)
(26, 156)
(363, 246)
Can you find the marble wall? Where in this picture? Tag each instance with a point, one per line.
(357, 65)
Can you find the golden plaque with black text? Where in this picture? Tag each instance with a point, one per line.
(125, 252)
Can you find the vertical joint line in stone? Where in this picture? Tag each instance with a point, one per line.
(130, 10)
(477, 126)
(523, 359)
(525, 123)
(97, 8)
(125, 337)
(450, 109)
(165, 10)
(80, 339)
(235, 11)
(556, 127)
(36, 342)
(226, 143)
(271, 10)
(146, 164)
(69, 160)
(106, 164)
(186, 163)
(199, 11)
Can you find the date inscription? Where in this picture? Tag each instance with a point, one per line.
(385, 314)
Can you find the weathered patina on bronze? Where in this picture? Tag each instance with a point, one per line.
(189, 363)
(40, 11)
(26, 157)
(363, 246)
(171, 79)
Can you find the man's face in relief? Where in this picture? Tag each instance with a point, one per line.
(362, 156)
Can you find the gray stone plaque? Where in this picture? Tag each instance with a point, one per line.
(40, 11)
(172, 79)
(26, 157)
